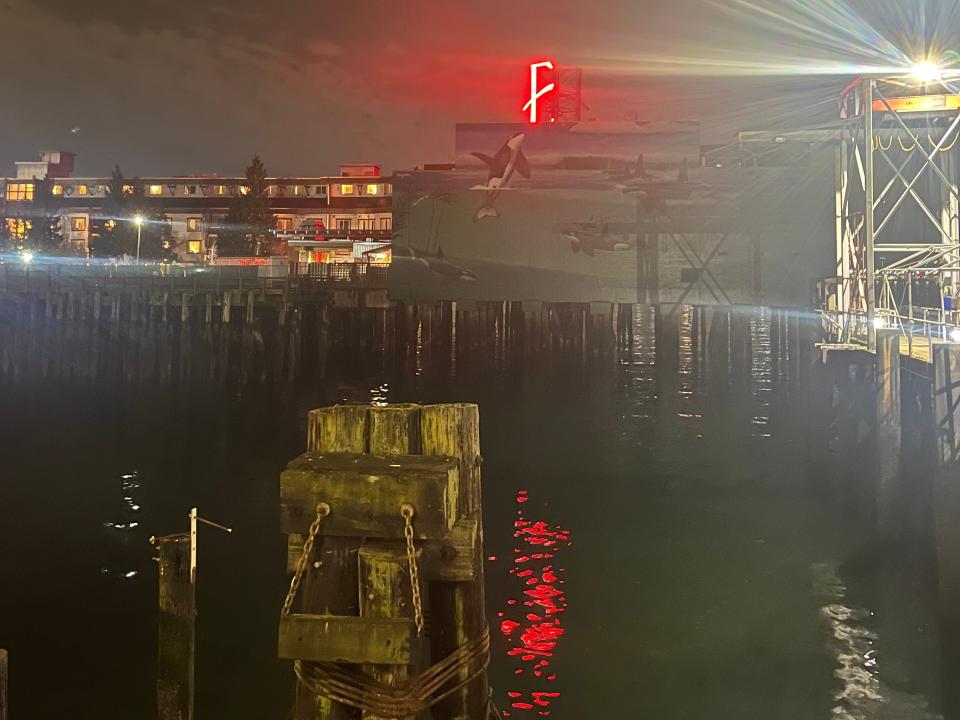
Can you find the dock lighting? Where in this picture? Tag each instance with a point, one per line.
(926, 72)
(27, 257)
(879, 323)
(955, 335)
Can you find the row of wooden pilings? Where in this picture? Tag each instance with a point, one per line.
(885, 437)
(385, 552)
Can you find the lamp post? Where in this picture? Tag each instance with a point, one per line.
(138, 221)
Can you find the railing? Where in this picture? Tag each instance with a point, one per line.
(920, 327)
(362, 273)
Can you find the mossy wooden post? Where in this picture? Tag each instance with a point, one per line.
(384, 576)
(457, 609)
(176, 640)
(4, 696)
(330, 584)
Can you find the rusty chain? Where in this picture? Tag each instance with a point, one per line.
(407, 511)
(322, 511)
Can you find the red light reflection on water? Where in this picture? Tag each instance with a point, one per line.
(531, 623)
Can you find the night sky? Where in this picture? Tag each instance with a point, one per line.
(184, 87)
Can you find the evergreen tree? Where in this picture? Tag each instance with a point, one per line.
(114, 234)
(46, 231)
(249, 224)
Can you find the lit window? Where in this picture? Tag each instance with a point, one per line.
(78, 224)
(81, 189)
(57, 190)
(343, 224)
(18, 192)
(244, 190)
(346, 189)
(221, 190)
(284, 224)
(296, 189)
(155, 190)
(194, 247)
(18, 227)
(193, 224)
(128, 189)
(386, 223)
(189, 189)
(373, 189)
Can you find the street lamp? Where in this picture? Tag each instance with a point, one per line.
(138, 221)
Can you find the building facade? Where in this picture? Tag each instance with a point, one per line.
(317, 219)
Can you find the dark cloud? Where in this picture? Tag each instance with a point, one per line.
(182, 86)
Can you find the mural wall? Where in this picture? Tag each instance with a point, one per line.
(577, 213)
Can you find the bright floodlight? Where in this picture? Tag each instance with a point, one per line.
(955, 335)
(879, 323)
(138, 219)
(926, 72)
(27, 257)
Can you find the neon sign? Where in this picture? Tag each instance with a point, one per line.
(537, 92)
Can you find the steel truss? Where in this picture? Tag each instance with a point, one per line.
(882, 126)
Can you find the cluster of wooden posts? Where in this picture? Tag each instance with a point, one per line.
(356, 602)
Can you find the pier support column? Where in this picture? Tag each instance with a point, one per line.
(946, 413)
(227, 301)
(176, 642)
(889, 489)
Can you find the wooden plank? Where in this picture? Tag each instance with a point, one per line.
(175, 671)
(454, 557)
(385, 592)
(345, 639)
(448, 559)
(365, 497)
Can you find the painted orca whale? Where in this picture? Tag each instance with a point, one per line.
(509, 158)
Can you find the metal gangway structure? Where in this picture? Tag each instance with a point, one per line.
(897, 204)
(897, 230)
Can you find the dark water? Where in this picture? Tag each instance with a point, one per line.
(693, 573)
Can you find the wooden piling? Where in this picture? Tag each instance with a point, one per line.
(946, 408)
(458, 609)
(889, 492)
(330, 584)
(4, 694)
(175, 666)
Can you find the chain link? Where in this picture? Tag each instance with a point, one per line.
(322, 511)
(406, 510)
